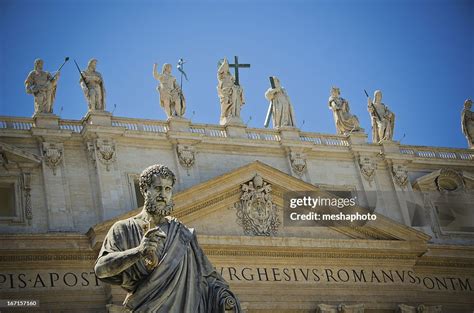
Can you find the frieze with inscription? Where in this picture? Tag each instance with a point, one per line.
(321, 275)
(47, 280)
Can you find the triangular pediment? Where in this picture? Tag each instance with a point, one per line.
(445, 179)
(11, 155)
(209, 208)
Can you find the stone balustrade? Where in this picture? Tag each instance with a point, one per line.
(437, 153)
(72, 125)
(140, 124)
(18, 123)
(154, 126)
(323, 139)
(208, 130)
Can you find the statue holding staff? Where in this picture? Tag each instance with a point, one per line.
(382, 119)
(42, 85)
(93, 87)
(171, 96)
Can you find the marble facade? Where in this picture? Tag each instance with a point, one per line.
(73, 179)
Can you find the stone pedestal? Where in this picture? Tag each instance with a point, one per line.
(358, 138)
(46, 120)
(178, 124)
(291, 133)
(235, 127)
(98, 118)
(391, 147)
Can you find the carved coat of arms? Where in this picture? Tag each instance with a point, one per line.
(106, 152)
(400, 175)
(298, 163)
(256, 212)
(367, 168)
(53, 155)
(186, 155)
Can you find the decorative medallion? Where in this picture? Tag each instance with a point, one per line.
(367, 168)
(186, 155)
(106, 152)
(449, 180)
(256, 212)
(298, 163)
(400, 175)
(53, 155)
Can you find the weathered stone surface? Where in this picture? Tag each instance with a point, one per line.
(382, 119)
(42, 85)
(230, 94)
(93, 87)
(282, 110)
(171, 96)
(158, 260)
(346, 122)
(381, 265)
(467, 123)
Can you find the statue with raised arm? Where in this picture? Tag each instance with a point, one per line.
(93, 86)
(282, 111)
(346, 122)
(382, 119)
(42, 85)
(158, 260)
(171, 97)
(230, 94)
(467, 123)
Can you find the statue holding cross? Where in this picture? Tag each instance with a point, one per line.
(230, 92)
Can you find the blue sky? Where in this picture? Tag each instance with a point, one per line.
(420, 53)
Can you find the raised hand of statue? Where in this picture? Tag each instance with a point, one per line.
(369, 102)
(150, 240)
(156, 75)
(148, 246)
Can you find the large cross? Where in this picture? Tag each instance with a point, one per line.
(236, 66)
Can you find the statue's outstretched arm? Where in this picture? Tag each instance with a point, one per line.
(155, 72)
(116, 262)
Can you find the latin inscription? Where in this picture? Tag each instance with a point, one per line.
(299, 275)
(48, 280)
(346, 276)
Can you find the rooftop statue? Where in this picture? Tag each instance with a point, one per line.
(93, 86)
(382, 119)
(280, 108)
(231, 95)
(42, 85)
(158, 260)
(171, 96)
(467, 123)
(345, 122)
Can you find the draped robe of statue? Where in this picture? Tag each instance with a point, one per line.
(42, 86)
(282, 110)
(184, 280)
(172, 99)
(382, 129)
(345, 121)
(467, 123)
(94, 90)
(231, 96)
